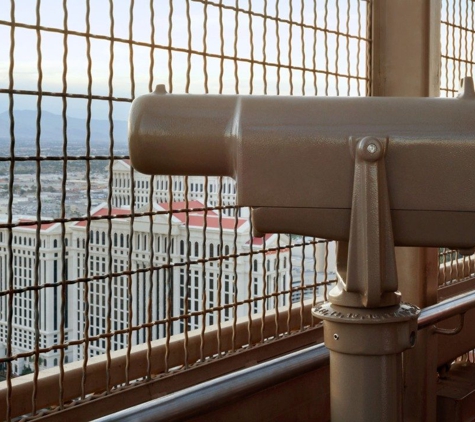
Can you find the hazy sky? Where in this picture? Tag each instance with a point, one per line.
(52, 15)
(328, 48)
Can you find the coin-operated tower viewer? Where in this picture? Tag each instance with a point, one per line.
(370, 173)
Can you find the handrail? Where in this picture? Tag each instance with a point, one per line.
(211, 394)
(448, 308)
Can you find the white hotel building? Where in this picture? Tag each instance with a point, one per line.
(218, 278)
(215, 188)
(50, 271)
(186, 278)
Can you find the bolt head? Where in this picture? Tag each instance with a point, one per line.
(371, 148)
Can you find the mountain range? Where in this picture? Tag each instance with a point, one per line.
(52, 130)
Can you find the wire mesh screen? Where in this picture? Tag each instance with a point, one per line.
(457, 43)
(96, 258)
(457, 61)
(454, 267)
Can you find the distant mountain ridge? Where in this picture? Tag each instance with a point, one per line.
(52, 129)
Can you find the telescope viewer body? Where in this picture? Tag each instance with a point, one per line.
(293, 159)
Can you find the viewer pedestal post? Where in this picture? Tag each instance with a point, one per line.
(366, 327)
(366, 348)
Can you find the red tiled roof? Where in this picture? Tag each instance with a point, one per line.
(104, 211)
(183, 205)
(44, 226)
(196, 215)
(197, 218)
(212, 221)
(259, 241)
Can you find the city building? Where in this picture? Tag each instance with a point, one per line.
(194, 265)
(186, 279)
(212, 191)
(52, 303)
(203, 272)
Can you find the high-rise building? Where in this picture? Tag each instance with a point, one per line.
(212, 191)
(31, 270)
(194, 266)
(190, 273)
(204, 262)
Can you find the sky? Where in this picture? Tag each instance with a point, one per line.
(52, 15)
(337, 54)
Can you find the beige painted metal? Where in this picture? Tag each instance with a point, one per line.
(366, 328)
(451, 347)
(456, 288)
(406, 48)
(456, 394)
(284, 152)
(271, 146)
(366, 266)
(366, 345)
(406, 62)
(48, 380)
(145, 391)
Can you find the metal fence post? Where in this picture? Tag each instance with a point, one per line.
(406, 62)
